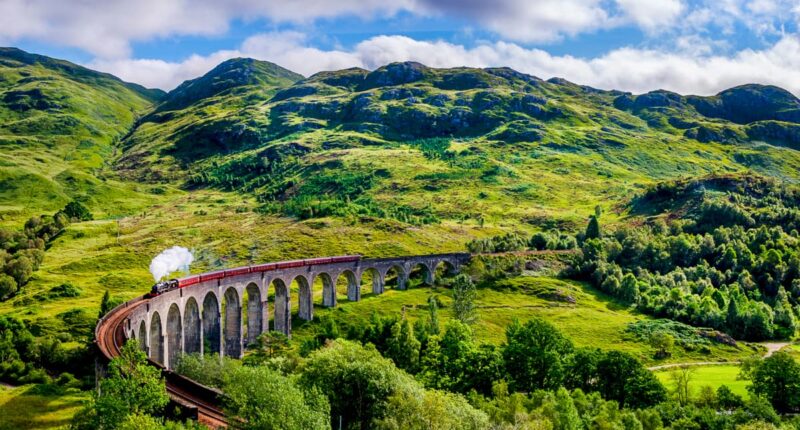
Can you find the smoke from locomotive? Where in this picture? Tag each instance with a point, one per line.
(171, 260)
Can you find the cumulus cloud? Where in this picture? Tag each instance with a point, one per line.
(653, 14)
(106, 28)
(528, 21)
(629, 69)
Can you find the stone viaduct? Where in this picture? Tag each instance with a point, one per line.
(224, 315)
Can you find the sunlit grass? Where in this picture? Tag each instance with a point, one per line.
(27, 407)
(712, 376)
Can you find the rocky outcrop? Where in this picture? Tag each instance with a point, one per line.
(750, 103)
(776, 132)
(394, 74)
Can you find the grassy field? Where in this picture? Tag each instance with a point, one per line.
(595, 320)
(713, 376)
(32, 407)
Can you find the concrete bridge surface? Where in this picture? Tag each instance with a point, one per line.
(224, 315)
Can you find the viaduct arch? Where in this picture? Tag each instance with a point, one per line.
(222, 312)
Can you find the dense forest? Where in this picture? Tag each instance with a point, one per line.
(726, 257)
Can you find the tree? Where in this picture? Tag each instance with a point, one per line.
(464, 299)
(629, 289)
(535, 355)
(593, 228)
(568, 416)
(777, 379)
(727, 399)
(265, 399)
(21, 269)
(268, 345)
(77, 211)
(682, 376)
(8, 286)
(403, 347)
(433, 316)
(663, 343)
(132, 387)
(622, 377)
(454, 362)
(356, 380)
(539, 240)
(105, 304)
(582, 369)
(416, 409)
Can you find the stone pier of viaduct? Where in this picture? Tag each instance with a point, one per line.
(223, 316)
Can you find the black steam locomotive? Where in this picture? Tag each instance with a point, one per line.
(163, 287)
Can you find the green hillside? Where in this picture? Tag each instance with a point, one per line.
(419, 145)
(252, 162)
(60, 125)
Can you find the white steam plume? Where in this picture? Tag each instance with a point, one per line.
(171, 260)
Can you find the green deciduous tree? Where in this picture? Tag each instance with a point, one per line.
(629, 289)
(8, 286)
(622, 377)
(535, 355)
(265, 399)
(464, 295)
(777, 379)
(356, 380)
(419, 409)
(132, 387)
(77, 211)
(403, 347)
(662, 342)
(454, 362)
(21, 269)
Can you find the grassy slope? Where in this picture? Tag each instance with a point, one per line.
(587, 151)
(560, 177)
(59, 124)
(595, 320)
(26, 407)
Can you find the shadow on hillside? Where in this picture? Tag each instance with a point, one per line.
(27, 408)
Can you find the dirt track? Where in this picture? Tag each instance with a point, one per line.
(772, 347)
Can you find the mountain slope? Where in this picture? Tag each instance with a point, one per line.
(59, 123)
(216, 113)
(417, 145)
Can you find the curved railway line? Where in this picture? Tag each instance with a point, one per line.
(200, 400)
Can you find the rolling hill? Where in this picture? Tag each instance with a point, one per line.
(415, 144)
(60, 125)
(252, 162)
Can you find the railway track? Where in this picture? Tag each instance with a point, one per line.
(197, 398)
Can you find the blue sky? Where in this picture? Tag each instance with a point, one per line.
(688, 46)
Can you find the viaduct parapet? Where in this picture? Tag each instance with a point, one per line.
(224, 315)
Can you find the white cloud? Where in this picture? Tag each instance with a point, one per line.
(526, 20)
(652, 14)
(630, 69)
(106, 28)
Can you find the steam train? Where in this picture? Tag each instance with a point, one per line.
(173, 284)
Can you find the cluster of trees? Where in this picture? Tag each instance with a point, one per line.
(392, 374)
(535, 356)
(536, 380)
(25, 359)
(22, 252)
(132, 396)
(543, 240)
(732, 264)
